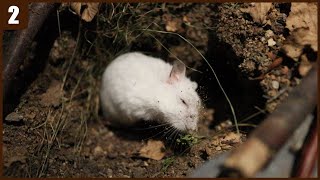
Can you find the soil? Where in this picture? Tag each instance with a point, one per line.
(58, 130)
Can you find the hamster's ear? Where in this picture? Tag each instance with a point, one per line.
(178, 71)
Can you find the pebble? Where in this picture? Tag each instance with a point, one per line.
(145, 164)
(218, 148)
(269, 33)
(275, 84)
(271, 42)
(98, 150)
(109, 172)
(218, 128)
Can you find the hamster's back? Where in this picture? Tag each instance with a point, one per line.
(129, 83)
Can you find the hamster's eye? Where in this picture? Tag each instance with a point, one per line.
(184, 102)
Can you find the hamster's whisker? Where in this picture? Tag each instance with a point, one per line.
(155, 134)
(173, 134)
(174, 139)
(153, 127)
(171, 128)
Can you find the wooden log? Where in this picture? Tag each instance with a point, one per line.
(14, 60)
(274, 131)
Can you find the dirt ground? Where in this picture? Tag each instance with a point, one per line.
(58, 130)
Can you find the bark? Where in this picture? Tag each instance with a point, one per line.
(14, 60)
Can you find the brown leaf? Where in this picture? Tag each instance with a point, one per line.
(53, 94)
(153, 150)
(173, 25)
(14, 117)
(302, 22)
(302, 15)
(258, 12)
(88, 13)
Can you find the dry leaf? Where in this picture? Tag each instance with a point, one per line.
(302, 22)
(88, 13)
(53, 94)
(153, 150)
(259, 12)
(173, 25)
(302, 15)
(14, 117)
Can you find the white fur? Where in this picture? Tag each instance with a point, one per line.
(136, 87)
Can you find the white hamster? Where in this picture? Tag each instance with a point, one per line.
(138, 87)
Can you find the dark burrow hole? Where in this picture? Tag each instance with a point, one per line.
(244, 94)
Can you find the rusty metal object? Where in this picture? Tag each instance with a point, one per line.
(275, 130)
(13, 77)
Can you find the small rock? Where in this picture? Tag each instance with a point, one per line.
(98, 151)
(269, 33)
(226, 124)
(145, 164)
(14, 117)
(218, 148)
(275, 84)
(218, 128)
(271, 42)
(229, 123)
(109, 173)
